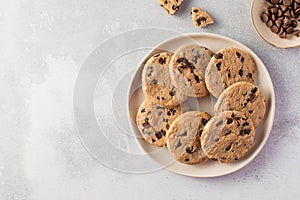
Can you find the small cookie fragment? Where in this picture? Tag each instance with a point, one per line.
(154, 120)
(183, 137)
(157, 83)
(228, 136)
(245, 97)
(201, 18)
(226, 67)
(188, 66)
(171, 6)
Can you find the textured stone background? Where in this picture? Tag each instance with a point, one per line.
(43, 45)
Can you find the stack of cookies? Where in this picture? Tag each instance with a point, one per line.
(193, 71)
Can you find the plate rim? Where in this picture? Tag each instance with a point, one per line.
(271, 106)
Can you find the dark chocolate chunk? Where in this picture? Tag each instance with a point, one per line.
(154, 81)
(250, 111)
(146, 124)
(254, 90)
(218, 65)
(218, 56)
(195, 10)
(229, 120)
(172, 93)
(227, 131)
(158, 135)
(187, 160)
(247, 131)
(241, 72)
(178, 144)
(250, 75)
(188, 150)
(245, 124)
(204, 121)
(162, 61)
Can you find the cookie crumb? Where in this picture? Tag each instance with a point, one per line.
(201, 18)
(171, 6)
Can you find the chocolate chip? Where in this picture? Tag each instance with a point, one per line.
(195, 10)
(218, 56)
(146, 124)
(151, 69)
(203, 19)
(236, 159)
(198, 22)
(204, 121)
(197, 78)
(269, 23)
(143, 110)
(183, 133)
(229, 120)
(163, 132)
(244, 93)
(155, 56)
(162, 61)
(244, 105)
(250, 111)
(251, 97)
(167, 126)
(188, 150)
(218, 65)
(169, 113)
(228, 75)
(154, 81)
(227, 131)
(172, 93)
(238, 53)
(241, 72)
(153, 140)
(178, 144)
(219, 123)
(274, 1)
(287, 2)
(264, 17)
(158, 135)
(247, 131)
(186, 160)
(254, 90)
(250, 75)
(289, 30)
(158, 98)
(175, 7)
(228, 148)
(245, 124)
(242, 59)
(274, 29)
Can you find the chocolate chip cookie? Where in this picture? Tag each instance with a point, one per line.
(156, 80)
(171, 6)
(228, 136)
(201, 18)
(188, 66)
(245, 97)
(183, 137)
(226, 67)
(154, 120)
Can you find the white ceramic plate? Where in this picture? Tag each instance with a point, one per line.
(209, 168)
(258, 7)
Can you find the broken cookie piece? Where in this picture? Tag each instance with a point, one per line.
(200, 17)
(171, 6)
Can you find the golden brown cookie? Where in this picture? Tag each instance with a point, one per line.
(226, 67)
(183, 137)
(201, 18)
(171, 6)
(245, 97)
(188, 66)
(156, 80)
(228, 136)
(154, 120)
